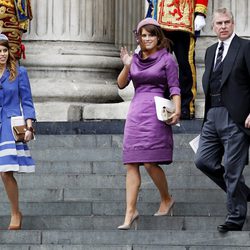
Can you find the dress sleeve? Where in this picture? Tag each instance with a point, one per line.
(25, 95)
(172, 76)
(128, 81)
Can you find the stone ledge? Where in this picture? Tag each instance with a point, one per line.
(104, 127)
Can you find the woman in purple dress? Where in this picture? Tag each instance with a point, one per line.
(147, 140)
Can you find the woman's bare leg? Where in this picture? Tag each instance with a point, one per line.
(133, 182)
(11, 188)
(159, 178)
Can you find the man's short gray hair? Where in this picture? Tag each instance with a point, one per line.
(223, 11)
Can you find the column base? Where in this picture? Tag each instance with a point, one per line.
(71, 74)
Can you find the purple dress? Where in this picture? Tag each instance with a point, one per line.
(146, 139)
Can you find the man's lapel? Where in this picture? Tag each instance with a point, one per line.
(209, 66)
(229, 60)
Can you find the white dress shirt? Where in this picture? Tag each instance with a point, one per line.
(227, 43)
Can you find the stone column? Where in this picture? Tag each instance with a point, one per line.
(127, 14)
(126, 22)
(71, 56)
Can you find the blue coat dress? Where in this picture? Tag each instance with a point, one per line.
(14, 97)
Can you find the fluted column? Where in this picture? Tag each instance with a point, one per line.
(71, 55)
(73, 20)
(129, 13)
(129, 16)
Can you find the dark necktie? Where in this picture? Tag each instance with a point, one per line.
(219, 56)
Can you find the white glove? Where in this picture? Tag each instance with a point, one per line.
(199, 22)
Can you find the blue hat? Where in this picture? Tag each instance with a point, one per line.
(3, 37)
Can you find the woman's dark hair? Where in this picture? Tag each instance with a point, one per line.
(11, 62)
(163, 42)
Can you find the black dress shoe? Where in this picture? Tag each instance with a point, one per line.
(228, 226)
(248, 198)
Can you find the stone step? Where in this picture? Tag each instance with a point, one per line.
(110, 168)
(74, 247)
(113, 208)
(76, 198)
(167, 247)
(115, 237)
(88, 181)
(114, 127)
(76, 141)
(117, 247)
(174, 238)
(114, 167)
(79, 154)
(96, 148)
(110, 195)
(96, 154)
(77, 222)
(95, 140)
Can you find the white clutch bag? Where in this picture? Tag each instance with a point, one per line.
(164, 108)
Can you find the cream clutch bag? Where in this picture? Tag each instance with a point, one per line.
(164, 108)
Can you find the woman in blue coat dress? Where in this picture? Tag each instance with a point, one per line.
(15, 100)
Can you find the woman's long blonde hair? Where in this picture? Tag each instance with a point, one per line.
(11, 63)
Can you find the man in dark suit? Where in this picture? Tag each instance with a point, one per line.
(225, 133)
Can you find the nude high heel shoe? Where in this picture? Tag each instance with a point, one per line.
(134, 220)
(16, 227)
(169, 211)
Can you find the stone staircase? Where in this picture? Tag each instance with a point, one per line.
(76, 198)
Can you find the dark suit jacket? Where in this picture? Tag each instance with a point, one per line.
(235, 82)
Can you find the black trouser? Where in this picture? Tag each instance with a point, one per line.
(184, 50)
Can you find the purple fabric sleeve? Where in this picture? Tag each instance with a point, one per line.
(172, 75)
